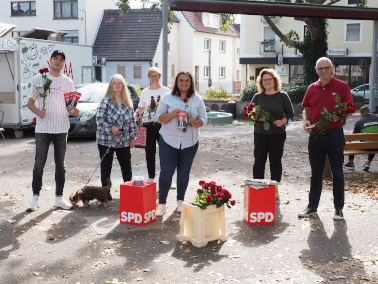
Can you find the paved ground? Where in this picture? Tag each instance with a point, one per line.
(55, 246)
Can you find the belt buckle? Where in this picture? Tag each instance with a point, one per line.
(323, 132)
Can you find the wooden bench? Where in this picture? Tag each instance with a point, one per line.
(356, 144)
(359, 143)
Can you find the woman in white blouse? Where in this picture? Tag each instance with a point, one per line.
(178, 147)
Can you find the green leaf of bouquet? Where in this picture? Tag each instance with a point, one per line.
(228, 205)
(337, 99)
(327, 123)
(219, 205)
(266, 125)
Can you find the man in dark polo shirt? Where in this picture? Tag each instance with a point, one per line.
(368, 123)
(331, 140)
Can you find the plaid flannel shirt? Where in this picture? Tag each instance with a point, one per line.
(109, 115)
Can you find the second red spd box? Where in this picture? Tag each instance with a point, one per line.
(259, 205)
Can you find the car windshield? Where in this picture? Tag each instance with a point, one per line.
(92, 94)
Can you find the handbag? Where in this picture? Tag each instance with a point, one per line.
(141, 139)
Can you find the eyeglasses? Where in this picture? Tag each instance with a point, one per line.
(267, 80)
(154, 76)
(321, 69)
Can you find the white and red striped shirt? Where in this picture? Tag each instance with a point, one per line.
(56, 119)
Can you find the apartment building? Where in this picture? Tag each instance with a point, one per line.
(349, 41)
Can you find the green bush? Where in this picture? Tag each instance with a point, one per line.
(358, 98)
(248, 92)
(295, 92)
(137, 89)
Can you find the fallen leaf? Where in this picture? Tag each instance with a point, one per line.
(11, 221)
(164, 242)
(36, 273)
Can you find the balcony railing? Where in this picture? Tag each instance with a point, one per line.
(273, 18)
(268, 47)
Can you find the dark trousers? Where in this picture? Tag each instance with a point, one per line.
(170, 159)
(272, 144)
(331, 144)
(370, 157)
(124, 160)
(42, 142)
(153, 136)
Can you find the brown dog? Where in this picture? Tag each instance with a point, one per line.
(89, 193)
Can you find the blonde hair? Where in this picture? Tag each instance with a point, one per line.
(153, 69)
(276, 78)
(125, 93)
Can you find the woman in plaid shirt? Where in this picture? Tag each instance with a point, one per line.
(115, 120)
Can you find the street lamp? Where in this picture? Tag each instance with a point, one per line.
(85, 23)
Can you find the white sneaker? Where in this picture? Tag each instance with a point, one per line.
(61, 203)
(161, 210)
(34, 204)
(173, 185)
(151, 180)
(179, 205)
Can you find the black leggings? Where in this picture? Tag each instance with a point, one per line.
(153, 136)
(272, 144)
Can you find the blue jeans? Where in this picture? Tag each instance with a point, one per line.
(170, 159)
(42, 142)
(331, 144)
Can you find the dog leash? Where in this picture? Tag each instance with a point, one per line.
(107, 151)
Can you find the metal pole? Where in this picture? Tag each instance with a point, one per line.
(85, 25)
(373, 74)
(165, 42)
(210, 79)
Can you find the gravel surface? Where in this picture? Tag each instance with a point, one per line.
(57, 246)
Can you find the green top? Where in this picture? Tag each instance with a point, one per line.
(278, 105)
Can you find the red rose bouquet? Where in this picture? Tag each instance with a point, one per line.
(212, 194)
(255, 113)
(46, 85)
(342, 110)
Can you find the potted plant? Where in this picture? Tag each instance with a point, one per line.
(203, 220)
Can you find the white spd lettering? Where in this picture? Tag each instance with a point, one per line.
(129, 216)
(149, 215)
(259, 216)
(137, 218)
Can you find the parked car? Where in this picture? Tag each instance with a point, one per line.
(359, 91)
(84, 124)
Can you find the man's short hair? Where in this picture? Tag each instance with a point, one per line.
(323, 58)
(364, 110)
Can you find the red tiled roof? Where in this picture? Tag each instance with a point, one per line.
(197, 24)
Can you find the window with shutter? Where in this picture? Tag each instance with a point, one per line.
(269, 33)
(353, 32)
(137, 71)
(121, 70)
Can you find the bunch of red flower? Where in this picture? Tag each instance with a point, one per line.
(342, 110)
(210, 194)
(249, 109)
(43, 70)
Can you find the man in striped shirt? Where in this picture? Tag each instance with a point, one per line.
(52, 125)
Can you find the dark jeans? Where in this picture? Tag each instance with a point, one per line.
(331, 144)
(153, 136)
(370, 157)
(170, 159)
(272, 144)
(42, 142)
(124, 160)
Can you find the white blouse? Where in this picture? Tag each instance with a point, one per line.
(170, 132)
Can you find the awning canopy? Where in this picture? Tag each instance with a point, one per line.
(275, 9)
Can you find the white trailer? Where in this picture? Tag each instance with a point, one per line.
(20, 60)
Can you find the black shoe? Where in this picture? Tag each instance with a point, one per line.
(309, 211)
(366, 167)
(338, 214)
(109, 196)
(349, 166)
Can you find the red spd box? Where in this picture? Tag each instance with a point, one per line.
(137, 203)
(259, 205)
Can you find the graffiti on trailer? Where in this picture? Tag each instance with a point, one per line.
(68, 73)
